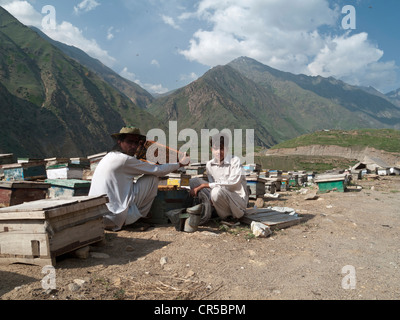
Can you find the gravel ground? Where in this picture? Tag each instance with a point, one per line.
(347, 247)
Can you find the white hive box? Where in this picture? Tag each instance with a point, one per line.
(37, 232)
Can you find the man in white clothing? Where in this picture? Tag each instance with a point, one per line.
(114, 176)
(226, 187)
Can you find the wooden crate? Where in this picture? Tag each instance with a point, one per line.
(65, 171)
(66, 188)
(167, 200)
(195, 170)
(6, 158)
(179, 180)
(13, 193)
(95, 159)
(37, 232)
(28, 171)
(328, 183)
(257, 186)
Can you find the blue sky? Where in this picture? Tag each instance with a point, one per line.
(166, 44)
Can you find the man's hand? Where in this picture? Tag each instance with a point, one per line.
(194, 192)
(184, 160)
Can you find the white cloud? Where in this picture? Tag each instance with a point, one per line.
(188, 77)
(284, 34)
(355, 60)
(170, 21)
(152, 88)
(86, 6)
(154, 62)
(110, 34)
(23, 11)
(73, 36)
(64, 32)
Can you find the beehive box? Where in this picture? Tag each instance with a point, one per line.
(66, 188)
(37, 232)
(195, 170)
(13, 193)
(179, 180)
(167, 200)
(257, 187)
(65, 171)
(28, 171)
(331, 183)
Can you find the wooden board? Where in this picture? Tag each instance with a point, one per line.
(273, 219)
(50, 208)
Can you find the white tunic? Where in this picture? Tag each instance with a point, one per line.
(114, 177)
(228, 175)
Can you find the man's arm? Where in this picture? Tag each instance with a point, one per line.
(194, 192)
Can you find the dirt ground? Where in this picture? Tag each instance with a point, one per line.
(347, 247)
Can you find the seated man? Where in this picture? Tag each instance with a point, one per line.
(114, 177)
(227, 186)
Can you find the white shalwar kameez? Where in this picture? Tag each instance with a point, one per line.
(128, 200)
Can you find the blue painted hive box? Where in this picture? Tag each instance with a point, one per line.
(28, 171)
(257, 186)
(65, 188)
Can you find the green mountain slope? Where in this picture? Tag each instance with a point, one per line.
(66, 109)
(137, 94)
(323, 102)
(223, 98)
(381, 139)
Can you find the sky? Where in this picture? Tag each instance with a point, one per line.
(163, 45)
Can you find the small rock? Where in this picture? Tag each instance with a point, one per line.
(80, 282)
(116, 281)
(129, 248)
(82, 253)
(260, 230)
(311, 196)
(73, 287)
(99, 255)
(163, 261)
(190, 274)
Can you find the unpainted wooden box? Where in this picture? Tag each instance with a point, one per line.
(37, 232)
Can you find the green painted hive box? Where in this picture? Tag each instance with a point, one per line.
(333, 183)
(65, 188)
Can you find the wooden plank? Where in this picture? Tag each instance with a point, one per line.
(67, 221)
(41, 262)
(274, 219)
(50, 208)
(77, 237)
(23, 227)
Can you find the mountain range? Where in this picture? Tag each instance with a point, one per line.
(53, 106)
(55, 100)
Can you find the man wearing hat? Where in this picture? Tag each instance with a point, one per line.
(128, 200)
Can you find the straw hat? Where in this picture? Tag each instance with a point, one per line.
(128, 130)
